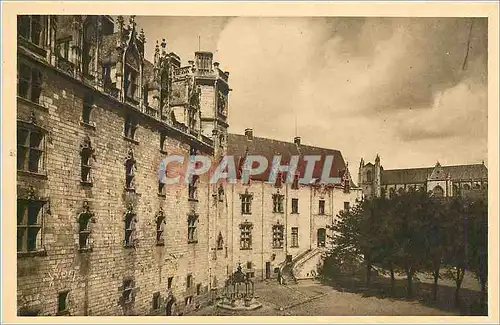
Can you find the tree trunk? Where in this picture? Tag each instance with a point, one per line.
(458, 281)
(393, 281)
(483, 298)
(409, 280)
(368, 274)
(435, 285)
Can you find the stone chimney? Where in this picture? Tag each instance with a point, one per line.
(296, 140)
(249, 134)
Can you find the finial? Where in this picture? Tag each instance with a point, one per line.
(142, 37)
(120, 22)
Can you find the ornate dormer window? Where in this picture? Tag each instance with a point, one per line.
(87, 153)
(84, 220)
(278, 202)
(160, 226)
(131, 76)
(130, 168)
(89, 46)
(130, 220)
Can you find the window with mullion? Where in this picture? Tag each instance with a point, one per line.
(30, 27)
(28, 225)
(277, 236)
(29, 83)
(30, 150)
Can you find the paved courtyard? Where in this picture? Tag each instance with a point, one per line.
(313, 298)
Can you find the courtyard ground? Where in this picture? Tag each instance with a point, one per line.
(310, 297)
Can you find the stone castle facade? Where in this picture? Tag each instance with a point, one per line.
(468, 181)
(97, 233)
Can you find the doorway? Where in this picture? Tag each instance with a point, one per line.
(169, 309)
(268, 270)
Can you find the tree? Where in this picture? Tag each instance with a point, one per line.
(477, 241)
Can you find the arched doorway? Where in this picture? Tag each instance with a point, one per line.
(321, 237)
(170, 307)
(438, 191)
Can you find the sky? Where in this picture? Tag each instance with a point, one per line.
(393, 86)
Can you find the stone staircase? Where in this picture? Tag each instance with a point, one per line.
(287, 269)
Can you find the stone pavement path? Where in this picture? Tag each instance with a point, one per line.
(310, 298)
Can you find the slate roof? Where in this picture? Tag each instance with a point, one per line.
(238, 144)
(420, 175)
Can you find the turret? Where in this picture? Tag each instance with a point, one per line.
(376, 180)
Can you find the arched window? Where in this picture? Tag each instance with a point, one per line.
(160, 227)
(456, 190)
(369, 176)
(438, 191)
(321, 236)
(466, 187)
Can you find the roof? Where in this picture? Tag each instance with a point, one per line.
(238, 144)
(420, 175)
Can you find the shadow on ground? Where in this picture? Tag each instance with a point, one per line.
(380, 287)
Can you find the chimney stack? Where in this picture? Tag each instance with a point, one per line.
(249, 133)
(296, 140)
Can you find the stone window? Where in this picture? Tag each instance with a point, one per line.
(62, 303)
(84, 220)
(163, 138)
(346, 206)
(188, 300)
(193, 228)
(30, 148)
(169, 282)
(249, 265)
(246, 202)
(246, 235)
(220, 193)
(278, 236)
(192, 188)
(161, 189)
(29, 83)
(220, 242)
(369, 177)
(130, 127)
(198, 289)
(156, 301)
(321, 237)
(279, 180)
(130, 227)
(30, 27)
(88, 107)
(86, 154)
(106, 76)
(251, 274)
(466, 187)
(30, 215)
(160, 226)
(63, 47)
(295, 205)
(128, 291)
(438, 191)
(189, 281)
(295, 237)
(278, 202)
(295, 184)
(321, 207)
(130, 168)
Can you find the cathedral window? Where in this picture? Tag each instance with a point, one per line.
(29, 83)
(278, 236)
(246, 235)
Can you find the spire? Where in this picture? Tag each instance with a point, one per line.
(362, 162)
(377, 159)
